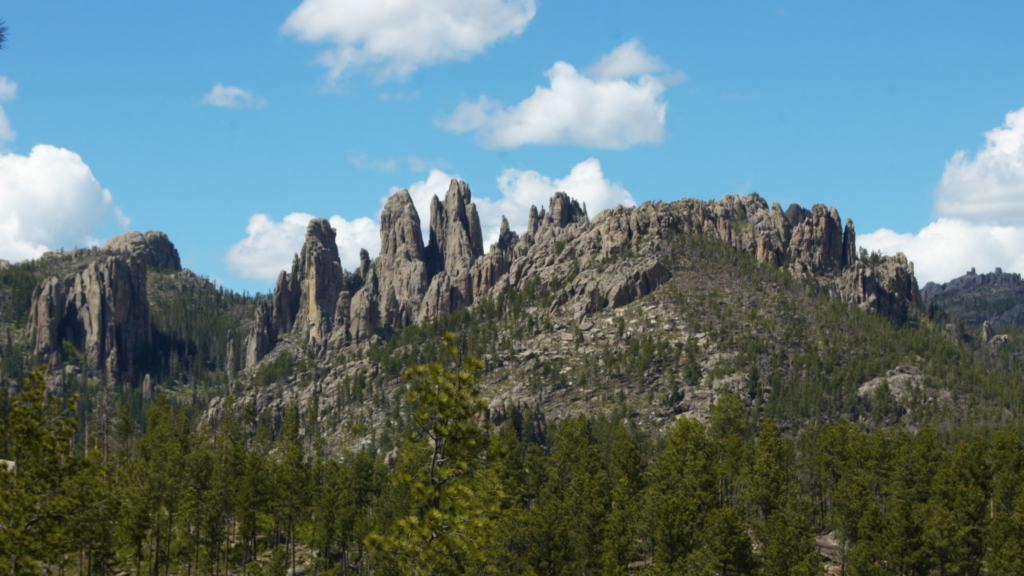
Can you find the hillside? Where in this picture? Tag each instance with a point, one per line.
(654, 311)
(996, 297)
(716, 387)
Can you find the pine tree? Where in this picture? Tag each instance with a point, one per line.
(1004, 539)
(626, 469)
(684, 488)
(42, 489)
(453, 495)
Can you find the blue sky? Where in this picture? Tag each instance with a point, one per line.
(858, 105)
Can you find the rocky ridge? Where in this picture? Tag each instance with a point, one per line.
(99, 304)
(996, 297)
(614, 259)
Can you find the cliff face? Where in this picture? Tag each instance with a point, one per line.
(101, 309)
(617, 255)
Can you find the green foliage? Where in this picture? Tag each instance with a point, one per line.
(275, 371)
(45, 495)
(448, 528)
(16, 285)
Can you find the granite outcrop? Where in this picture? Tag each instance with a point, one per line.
(154, 248)
(100, 309)
(612, 260)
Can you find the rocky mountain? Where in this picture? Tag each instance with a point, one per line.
(653, 311)
(996, 297)
(613, 260)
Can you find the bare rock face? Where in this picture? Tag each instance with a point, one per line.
(889, 288)
(304, 300)
(564, 211)
(617, 257)
(849, 244)
(403, 258)
(320, 277)
(154, 248)
(102, 310)
(455, 236)
(147, 389)
(456, 242)
(987, 332)
(817, 240)
(262, 335)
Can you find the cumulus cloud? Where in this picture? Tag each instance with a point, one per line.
(946, 248)
(49, 199)
(988, 188)
(395, 37)
(269, 246)
(628, 60)
(8, 90)
(223, 96)
(980, 207)
(521, 189)
(617, 104)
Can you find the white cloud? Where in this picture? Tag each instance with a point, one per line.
(48, 200)
(521, 189)
(627, 61)
(980, 207)
(269, 246)
(8, 90)
(395, 37)
(354, 235)
(603, 109)
(946, 249)
(990, 187)
(223, 96)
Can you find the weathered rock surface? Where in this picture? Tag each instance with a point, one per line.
(304, 300)
(609, 261)
(903, 381)
(989, 336)
(154, 248)
(101, 309)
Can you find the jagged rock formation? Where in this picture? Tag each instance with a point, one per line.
(996, 297)
(101, 309)
(304, 300)
(154, 248)
(616, 258)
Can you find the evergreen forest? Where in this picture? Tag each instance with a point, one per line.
(586, 495)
